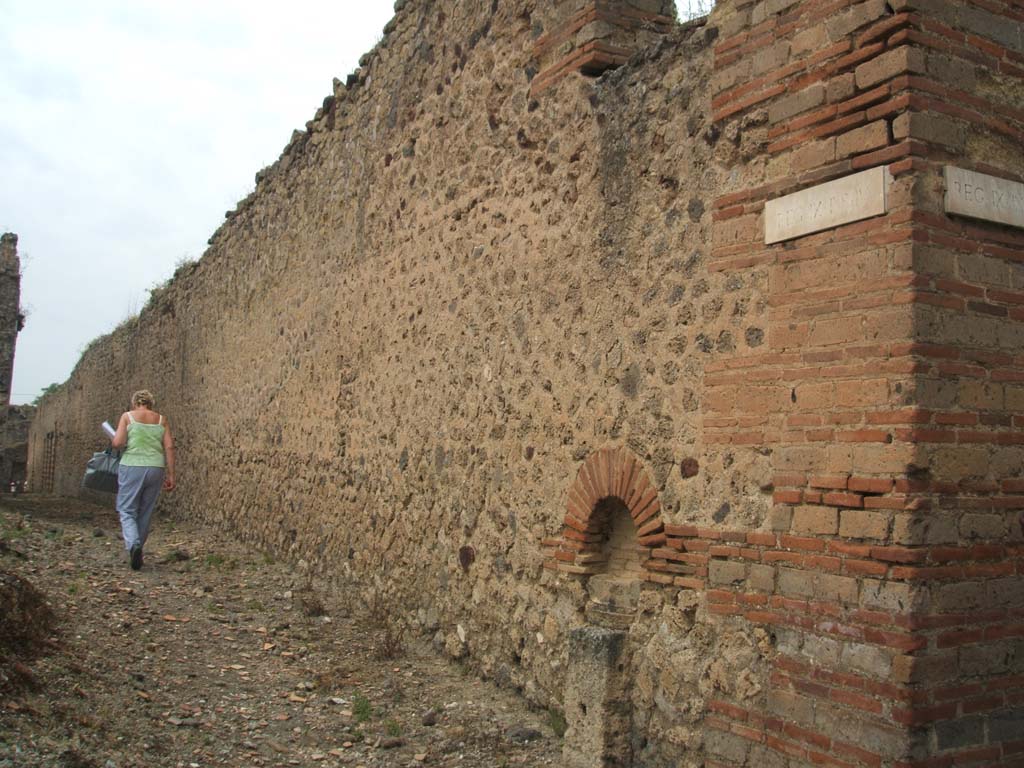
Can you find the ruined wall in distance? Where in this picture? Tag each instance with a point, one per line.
(11, 317)
(14, 420)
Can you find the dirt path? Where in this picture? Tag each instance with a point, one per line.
(214, 654)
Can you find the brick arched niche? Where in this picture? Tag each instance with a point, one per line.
(611, 501)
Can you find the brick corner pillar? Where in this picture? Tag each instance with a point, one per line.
(591, 36)
(890, 388)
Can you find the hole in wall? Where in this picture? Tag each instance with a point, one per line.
(615, 589)
(466, 557)
(623, 556)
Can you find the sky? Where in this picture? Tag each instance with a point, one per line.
(128, 128)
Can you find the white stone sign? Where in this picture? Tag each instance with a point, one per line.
(851, 198)
(981, 196)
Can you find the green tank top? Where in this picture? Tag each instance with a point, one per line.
(145, 444)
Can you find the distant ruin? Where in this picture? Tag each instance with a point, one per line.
(14, 420)
(670, 374)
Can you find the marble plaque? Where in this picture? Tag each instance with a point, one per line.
(851, 198)
(981, 196)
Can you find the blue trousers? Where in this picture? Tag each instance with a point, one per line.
(138, 488)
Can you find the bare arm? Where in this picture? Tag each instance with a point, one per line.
(169, 481)
(120, 438)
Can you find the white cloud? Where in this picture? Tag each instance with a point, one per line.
(129, 128)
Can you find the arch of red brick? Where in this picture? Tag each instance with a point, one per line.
(610, 473)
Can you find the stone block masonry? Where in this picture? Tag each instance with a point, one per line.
(492, 303)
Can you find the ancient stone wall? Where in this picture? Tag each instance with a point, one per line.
(14, 431)
(489, 320)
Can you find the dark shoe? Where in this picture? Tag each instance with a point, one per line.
(136, 557)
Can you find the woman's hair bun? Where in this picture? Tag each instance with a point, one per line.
(143, 397)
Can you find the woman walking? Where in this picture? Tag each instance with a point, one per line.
(147, 466)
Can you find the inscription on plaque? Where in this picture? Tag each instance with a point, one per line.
(828, 205)
(981, 196)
